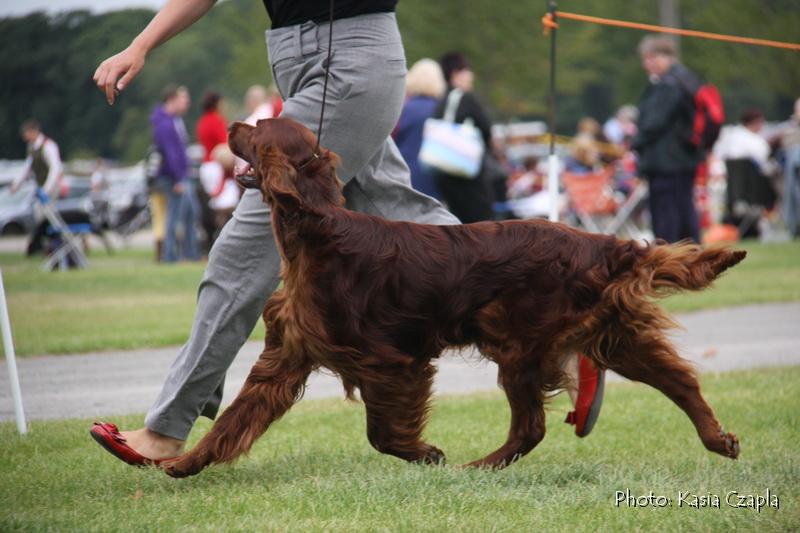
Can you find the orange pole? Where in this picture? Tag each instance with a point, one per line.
(548, 23)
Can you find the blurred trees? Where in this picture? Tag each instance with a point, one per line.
(46, 68)
(46, 63)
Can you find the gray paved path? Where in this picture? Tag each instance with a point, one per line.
(113, 383)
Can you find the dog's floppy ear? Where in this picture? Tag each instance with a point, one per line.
(277, 176)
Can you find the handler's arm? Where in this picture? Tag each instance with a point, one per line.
(22, 176)
(173, 18)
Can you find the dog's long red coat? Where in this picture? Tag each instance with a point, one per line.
(376, 301)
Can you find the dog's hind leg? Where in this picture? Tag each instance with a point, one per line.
(275, 383)
(653, 360)
(526, 399)
(397, 409)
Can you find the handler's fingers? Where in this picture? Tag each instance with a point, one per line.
(99, 73)
(109, 87)
(102, 73)
(110, 83)
(129, 75)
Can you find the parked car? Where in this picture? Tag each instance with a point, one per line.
(16, 210)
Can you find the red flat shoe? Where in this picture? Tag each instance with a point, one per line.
(109, 437)
(591, 383)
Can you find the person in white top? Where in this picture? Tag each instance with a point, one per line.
(256, 101)
(43, 162)
(743, 141)
(622, 125)
(259, 107)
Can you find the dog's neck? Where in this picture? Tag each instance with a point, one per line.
(295, 227)
(305, 217)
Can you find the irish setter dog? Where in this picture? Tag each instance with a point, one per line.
(377, 301)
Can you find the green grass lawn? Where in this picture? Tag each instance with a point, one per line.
(315, 471)
(769, 273)
(126, 301)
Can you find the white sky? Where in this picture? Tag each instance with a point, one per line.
(16, 8)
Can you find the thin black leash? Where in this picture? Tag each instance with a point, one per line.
(327, 64)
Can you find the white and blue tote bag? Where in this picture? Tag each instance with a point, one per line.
(455, 149)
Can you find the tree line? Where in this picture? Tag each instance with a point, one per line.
(47, 62)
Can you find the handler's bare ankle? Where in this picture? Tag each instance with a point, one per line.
(153, 445)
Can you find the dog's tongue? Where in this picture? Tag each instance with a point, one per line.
(241, 171)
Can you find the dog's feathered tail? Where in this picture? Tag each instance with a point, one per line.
(660, 270)
(638, 274)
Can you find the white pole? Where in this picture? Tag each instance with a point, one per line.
(552, 185)
(8, 344)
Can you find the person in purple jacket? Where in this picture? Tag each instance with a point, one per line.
(424, 88)
(170, 138)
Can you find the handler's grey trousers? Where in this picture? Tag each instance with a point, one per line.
(365, 96)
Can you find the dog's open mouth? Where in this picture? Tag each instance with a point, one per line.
(245, 176)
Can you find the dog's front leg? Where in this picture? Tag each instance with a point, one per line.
(275, 383)
(396, 402)
(522, 385)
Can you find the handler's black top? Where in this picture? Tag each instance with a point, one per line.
(290, 12)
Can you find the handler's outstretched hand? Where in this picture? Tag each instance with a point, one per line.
(126, 64)
(116, 72)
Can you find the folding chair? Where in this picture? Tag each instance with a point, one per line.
(69, 245)
(749, 194)
(599, 208)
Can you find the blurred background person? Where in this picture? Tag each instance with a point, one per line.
(589, 127)
(748, 174)
(666, 157)
(211, 128)
(591, 131)
(43, 164)
(584, 155)
(468, 199)
(260, 105)
(221, 190)
(211, 131)
(526, 187)
(425, 86)
(744, 141)
(98, 179)
(790, 146)
(526, 181)
(622, 125)
(171, 138)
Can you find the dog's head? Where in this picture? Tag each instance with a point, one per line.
(281, 162)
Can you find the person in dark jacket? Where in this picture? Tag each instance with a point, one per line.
(424, 87)
(667, 157)
(468, 199)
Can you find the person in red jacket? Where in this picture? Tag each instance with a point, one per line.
(212, 129)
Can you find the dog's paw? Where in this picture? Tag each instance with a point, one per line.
(434, 456)
(731, 444)
(181, 467)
